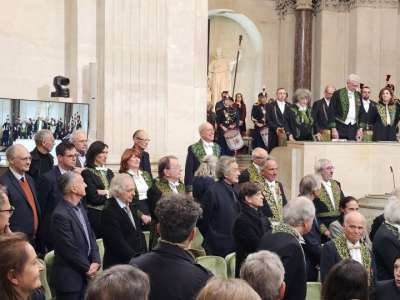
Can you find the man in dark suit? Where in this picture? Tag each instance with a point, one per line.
(49, 193)
(367, 109)
(253, 172)
(77, 257)
(389, 289)
(42, 160)
(221, 208)
(79, 139)
(173, 271)
(346, 106)
(350, 245)
(122, 234)
(323, 114)
(140, 142)
(198, 151)
(285, 240)
(277, 116)
(386, 243)
(21, 192)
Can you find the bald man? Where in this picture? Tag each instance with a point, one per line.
(22, 193)
(196, 152)
(323, 114)
(349, 245)
(252, 173)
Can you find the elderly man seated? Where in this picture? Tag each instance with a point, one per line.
(349, 245)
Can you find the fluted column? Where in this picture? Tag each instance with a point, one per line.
(303, 45)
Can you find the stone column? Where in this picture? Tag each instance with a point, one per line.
(303, 45)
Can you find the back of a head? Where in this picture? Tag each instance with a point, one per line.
(177, 215)
(119, 282)
(227, 289)
(392, 210)
(346, 280)
(264, 272)
(298, 210)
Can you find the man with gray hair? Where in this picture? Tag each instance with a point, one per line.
(173, 271)
(221, 207)
(79, 139)
(196, 153)
(327, 203)
(77, 257)
(42, 160)
(286, 239)
(253, 172)
(349, 245)
(346, 105)
(122, 234)
(323, 115)
(264, 272)
(386, 243)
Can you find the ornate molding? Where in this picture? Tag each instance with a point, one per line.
(284, 7)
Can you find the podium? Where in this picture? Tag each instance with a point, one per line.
(361, 168)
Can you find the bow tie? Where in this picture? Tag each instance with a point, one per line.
(271, 185)
(208, 145)
(101, 168)
(173, 184)
(351, 246)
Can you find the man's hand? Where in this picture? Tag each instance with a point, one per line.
(359, 134)
(145, 219)
(318, 137)
(335, 133)
(327, 233)
(94, 267)
(291, 138)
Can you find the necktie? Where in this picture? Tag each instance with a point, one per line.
(83, 224)
(129, 213)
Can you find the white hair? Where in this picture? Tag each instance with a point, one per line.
(75, 134)
(298, 210)
(320, 164)
(351, 214)
(41, 136)
(118, 184)
(353, 78)
(224, 165)
(392, 210)
(259, 154)
(203, 126)
(264, 272)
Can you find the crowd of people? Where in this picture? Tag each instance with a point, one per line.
(280, 244)
(346, 113)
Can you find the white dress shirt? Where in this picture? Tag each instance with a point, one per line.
(208, 147)
(127, 210)
(271, 186)
(174, 186)
(355, 251)
(281, 105)
(351, 115)
(328, 187)
(366, 104)
(140, 184)
(327, 102)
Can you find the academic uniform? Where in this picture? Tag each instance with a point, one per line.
(194, 157)
(385, 122)
(285, 241)
(274, 201)
(300, 124)
(259, 115)
(323, 115)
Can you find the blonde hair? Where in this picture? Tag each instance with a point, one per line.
(227, 289)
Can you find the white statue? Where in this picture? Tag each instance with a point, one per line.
(220, 70)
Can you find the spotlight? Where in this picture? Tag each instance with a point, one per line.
(60, 84)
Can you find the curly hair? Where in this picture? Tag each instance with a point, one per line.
(177, 215)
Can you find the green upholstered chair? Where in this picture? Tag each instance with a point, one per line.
(215, 264)
(313, 291)
(230, 260)
(45, 283)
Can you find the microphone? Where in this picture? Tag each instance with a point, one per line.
(394, 183)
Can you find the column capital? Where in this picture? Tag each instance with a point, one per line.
(304, 4)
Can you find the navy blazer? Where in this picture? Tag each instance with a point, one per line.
(122, 241)
(49, 196)
(71, 261)
(145, 163)
(22, 218)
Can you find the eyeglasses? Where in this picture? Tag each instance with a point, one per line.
(10, 211)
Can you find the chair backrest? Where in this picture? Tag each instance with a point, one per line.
(198, 240)
(147, 237)
(45, 283)
(230, 260)
(215, 264)
(49, 261)
(100, 244)
(313, 291)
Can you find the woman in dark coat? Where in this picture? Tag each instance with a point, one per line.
(259, 118)
(97, 178)
(241, 107)
(386, 117)
(251, 224)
